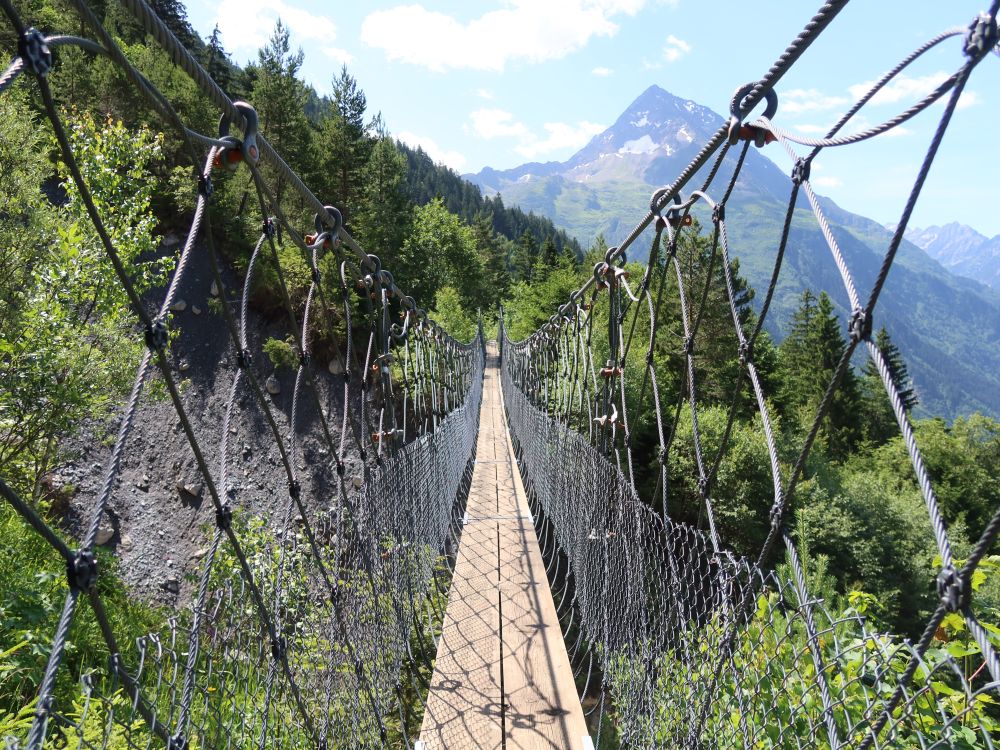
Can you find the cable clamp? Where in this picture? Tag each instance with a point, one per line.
(860, 327)
(800, 172)
(178, 742)
(688, 345)
(955, 591)
(746, 353)
(981, 37)
(224, 517)
(294, 489)
(81, 571)
(270, 228)
(279, 647)
(719, 213)
(157, 335)
(244, 358)
(35, 52)
(205, 187)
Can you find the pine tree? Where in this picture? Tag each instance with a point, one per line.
(279, 97)
(880, 419)
(345, 144)
(493, 256)
(383, 213)
(522, 260)
(809, 358)
(217, 61)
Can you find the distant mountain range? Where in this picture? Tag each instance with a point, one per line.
(947, 327)
(962, 250)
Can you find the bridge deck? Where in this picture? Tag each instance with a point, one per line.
(502, 676)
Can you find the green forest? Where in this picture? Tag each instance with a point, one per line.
(69, 344)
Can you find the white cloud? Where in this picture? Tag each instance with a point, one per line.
(811, 129)
(827, 181)
(484, 94)
(797, 101)
(909, 89)
(246, 25)
(602, 72)
(560, 136)
(453, 159)
(338, 55)
(521, 30)
(498, 123)
(675, 48)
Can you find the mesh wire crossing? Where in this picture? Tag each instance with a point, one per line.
(323, 635)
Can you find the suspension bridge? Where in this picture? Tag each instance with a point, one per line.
(496, 577)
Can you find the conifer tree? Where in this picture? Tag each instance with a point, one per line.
(345, 145)
(809, 359)
(383, 212)
(279, 97)
(880, 420)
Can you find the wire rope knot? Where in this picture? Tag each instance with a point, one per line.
(954, 589)
(35, 52)
(740, 132)
(81, 571)
(981, 37)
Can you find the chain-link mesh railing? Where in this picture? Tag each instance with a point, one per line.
(313, 626)
(677, 642)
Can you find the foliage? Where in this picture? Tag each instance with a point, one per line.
(450, 314)
(66, 342)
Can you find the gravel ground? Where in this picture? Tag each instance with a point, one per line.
(161, 517)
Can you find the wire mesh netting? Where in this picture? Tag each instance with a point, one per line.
(679, 642)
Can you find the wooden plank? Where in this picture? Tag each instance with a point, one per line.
(502, 675)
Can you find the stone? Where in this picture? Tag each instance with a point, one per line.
(194, 489)
(183, 365)
(178, 305)
(336, 367)
(143, 484)
(126, 542)
(272, 385)
(358, 481)
(172, 584)
(105, 533)
(195, 309)
(199, 554)
(214, 290)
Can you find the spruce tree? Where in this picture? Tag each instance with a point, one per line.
(880, 419)
(809, 358)
(345, 145)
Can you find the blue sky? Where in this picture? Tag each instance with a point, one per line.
(502, 82)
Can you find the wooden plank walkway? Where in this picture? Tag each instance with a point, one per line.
(502, 676)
